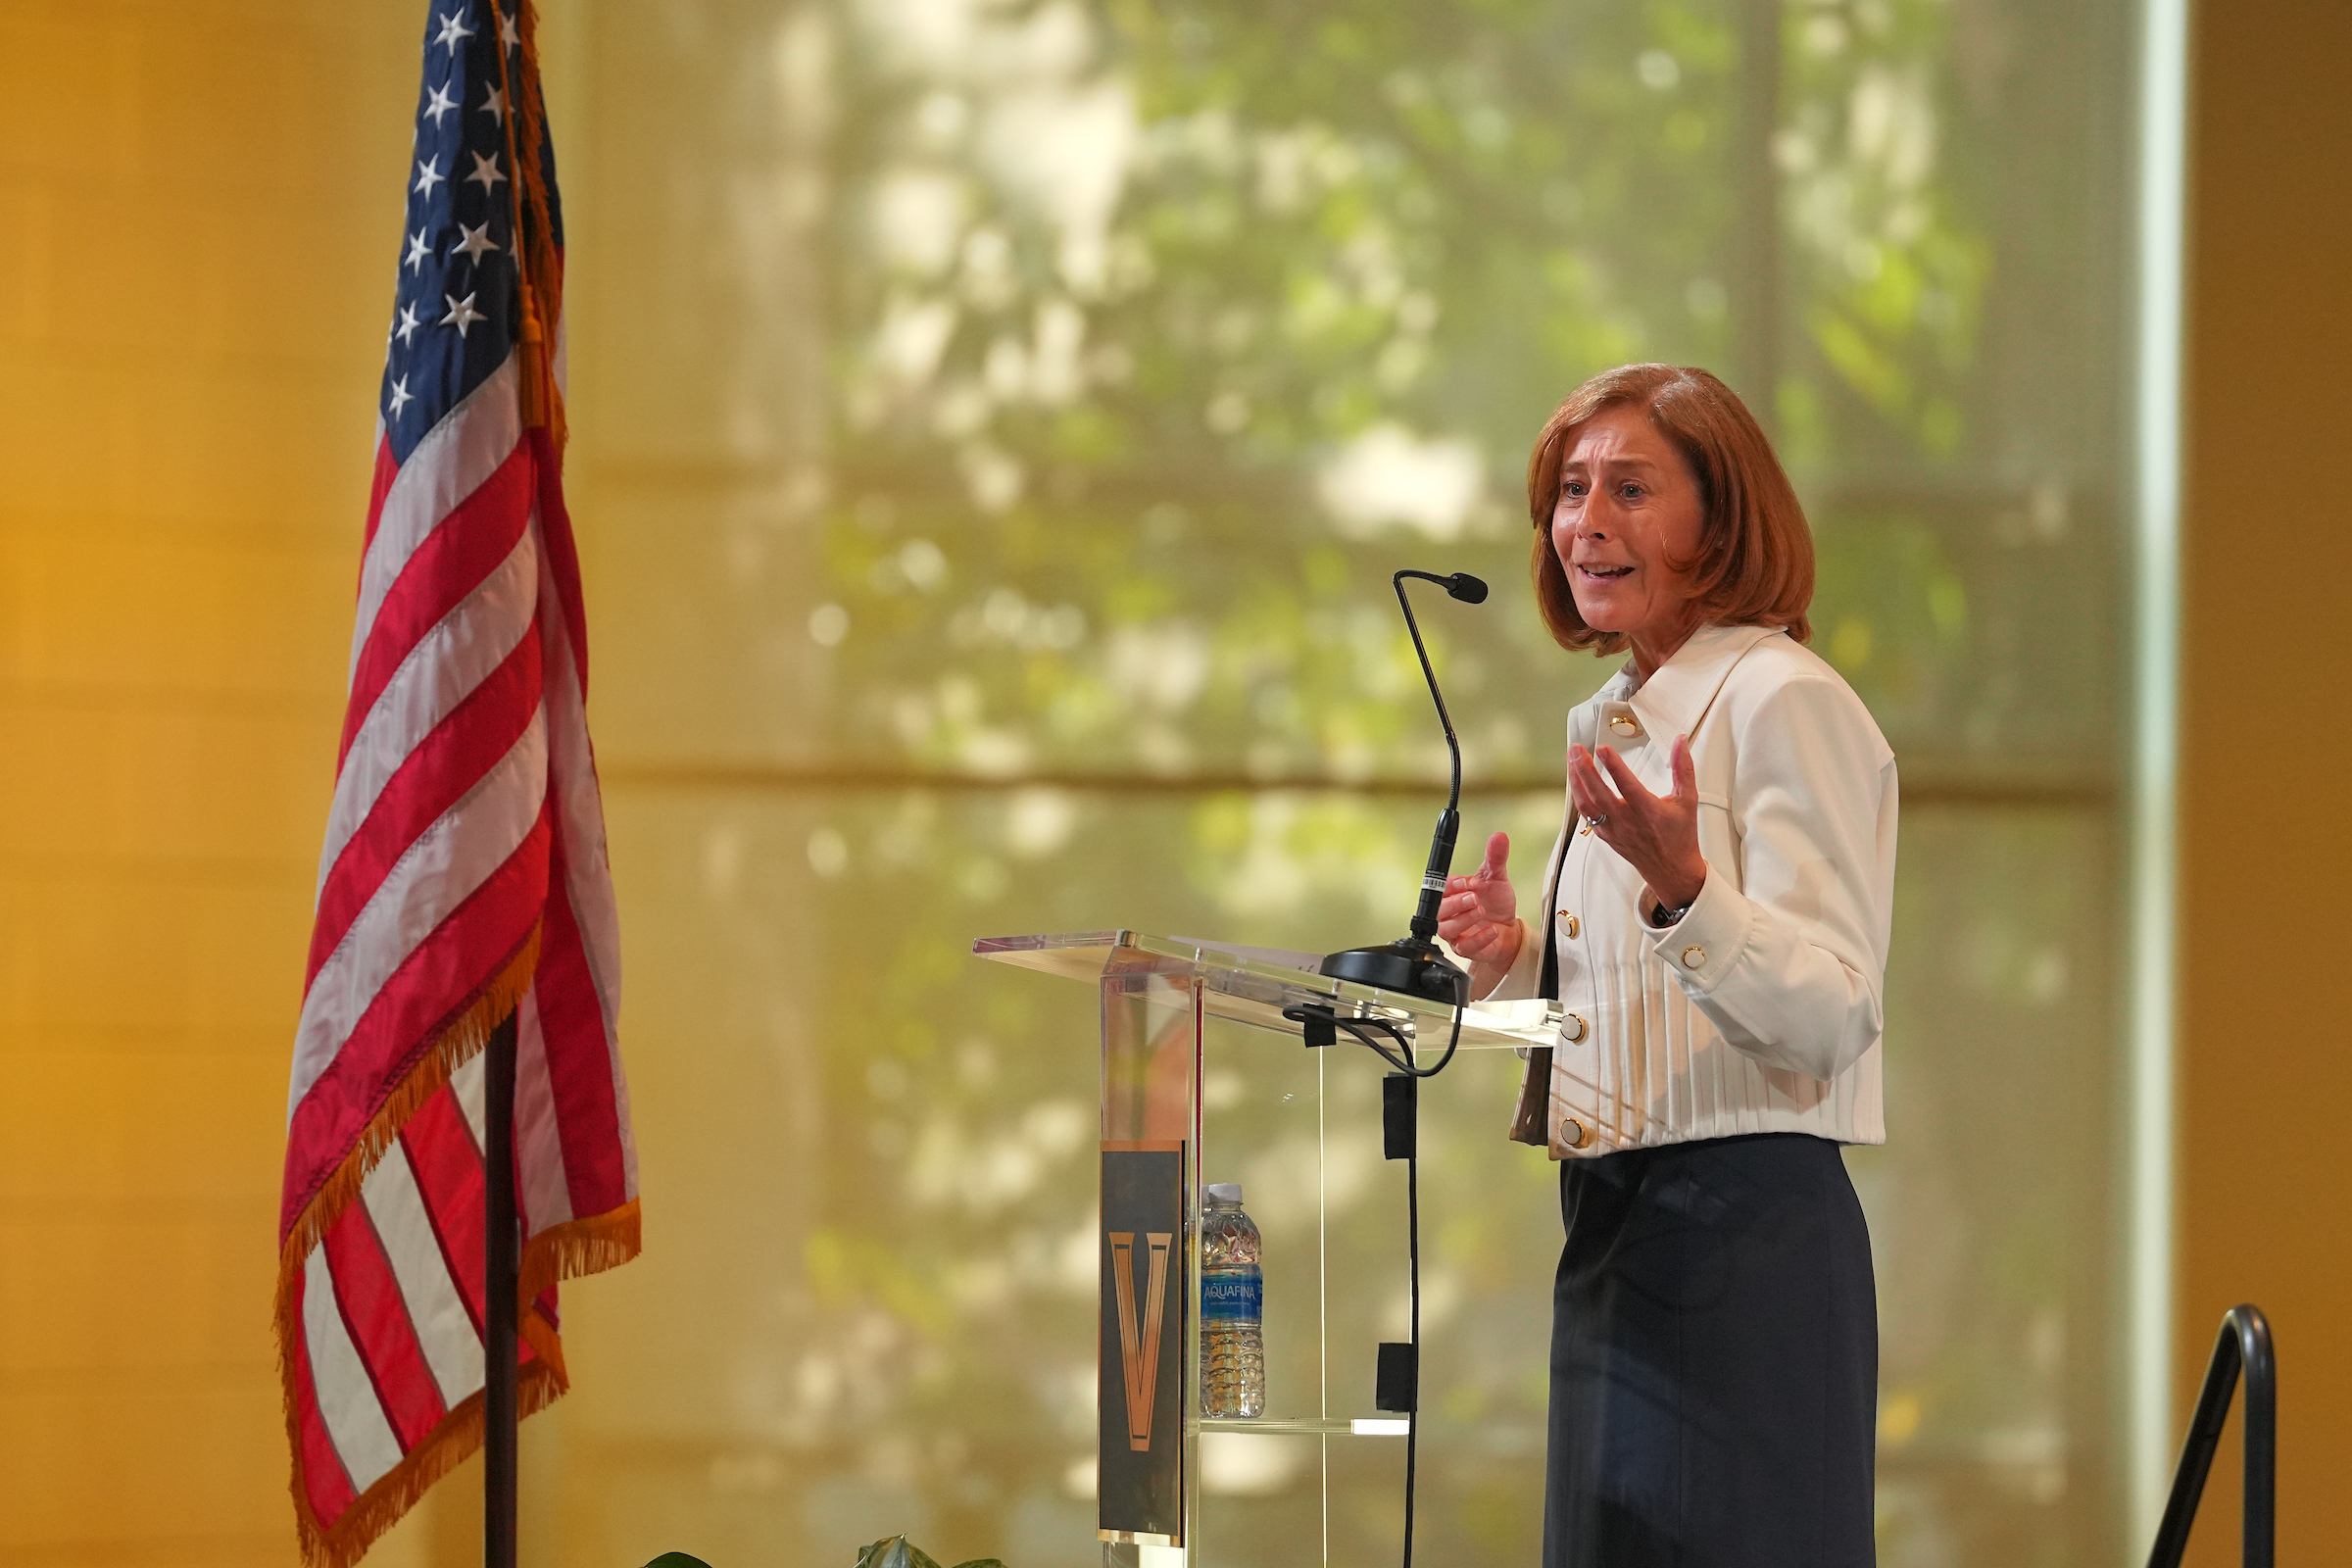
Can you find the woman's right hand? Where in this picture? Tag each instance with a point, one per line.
(1479, 917)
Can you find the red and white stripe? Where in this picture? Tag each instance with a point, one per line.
(466, 823)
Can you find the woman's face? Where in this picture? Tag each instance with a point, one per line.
(1627, 509)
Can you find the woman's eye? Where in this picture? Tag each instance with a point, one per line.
(1631, 491)
(1573, 487)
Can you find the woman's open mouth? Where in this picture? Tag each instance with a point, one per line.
(1604, 574)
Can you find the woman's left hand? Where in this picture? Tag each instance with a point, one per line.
(1658, 834)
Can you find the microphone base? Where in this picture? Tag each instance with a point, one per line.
(1410, 964)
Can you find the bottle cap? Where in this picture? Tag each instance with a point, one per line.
(1225, 1193)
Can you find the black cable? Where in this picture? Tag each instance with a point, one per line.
(1412, 1232)
(1361, 1030)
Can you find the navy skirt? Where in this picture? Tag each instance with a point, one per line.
(1714, 1360)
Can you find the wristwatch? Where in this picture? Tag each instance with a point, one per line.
(1661, 916)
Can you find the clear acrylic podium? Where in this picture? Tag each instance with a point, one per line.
(1204, 1080)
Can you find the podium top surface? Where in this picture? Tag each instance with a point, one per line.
(1253, 985)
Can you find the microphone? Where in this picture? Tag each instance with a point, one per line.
(1415, 964)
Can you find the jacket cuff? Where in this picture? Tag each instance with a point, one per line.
(1701, 947)
(1518, 983)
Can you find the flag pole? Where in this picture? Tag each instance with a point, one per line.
(501, 1263)
(501, 1249)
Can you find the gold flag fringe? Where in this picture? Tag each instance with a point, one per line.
(566, 1251)
(459, 1042)
(577, 1246)
(459, 1432)
(451, 1442)
(572, 1248)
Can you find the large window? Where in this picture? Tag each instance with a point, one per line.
(995, 424)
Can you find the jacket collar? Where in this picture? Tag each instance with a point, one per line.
(1676, 694)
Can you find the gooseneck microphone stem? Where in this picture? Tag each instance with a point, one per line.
(1450, 821)
(1414, 963)
(1452, 744)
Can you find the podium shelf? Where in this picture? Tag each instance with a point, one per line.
(1362, 1426)
(1254, 990)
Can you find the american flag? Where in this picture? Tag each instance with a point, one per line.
(464, 877)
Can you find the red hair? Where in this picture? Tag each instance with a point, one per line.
(1755, 565)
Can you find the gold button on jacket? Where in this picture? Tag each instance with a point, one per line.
(1620, 721)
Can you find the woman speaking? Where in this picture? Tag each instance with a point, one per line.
(1714, 925)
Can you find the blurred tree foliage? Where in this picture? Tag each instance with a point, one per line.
(1163, 330)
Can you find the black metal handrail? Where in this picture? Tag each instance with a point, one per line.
(2245, 1342)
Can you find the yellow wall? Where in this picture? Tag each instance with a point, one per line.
(2265, 1079)
(196, 245)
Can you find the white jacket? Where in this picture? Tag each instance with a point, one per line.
(1761, 1009)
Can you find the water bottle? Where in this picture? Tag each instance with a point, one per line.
(1233, 1343)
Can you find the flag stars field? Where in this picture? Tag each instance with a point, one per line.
(461, 215)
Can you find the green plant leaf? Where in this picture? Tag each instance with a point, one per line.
(896, 1551)
(982, 1562)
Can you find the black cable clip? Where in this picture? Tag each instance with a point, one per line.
(1400, 1115)
(1397, 1382)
